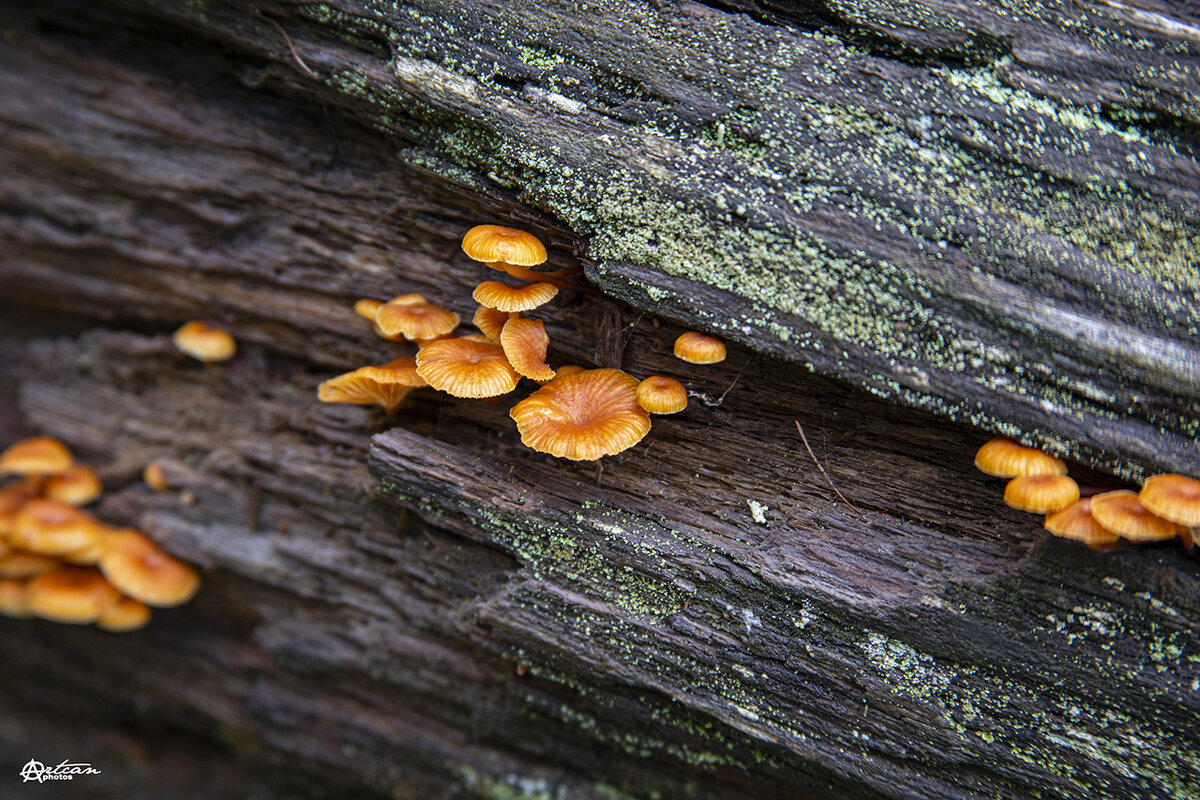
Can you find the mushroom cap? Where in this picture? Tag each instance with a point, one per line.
(463, 368)
(568, 369)
(140, 569)
(77, 485)
(490, 322)
(155, 476)
(12, 598)
(514, 299)
(1076, 522)
(1041, 494)
(38, 455)
(204, 343)
(1004, 458)
(583, 417)
(366, 307)
(18, 564)
(524, 342)
(124, 615)
(51, 527)
(75, 595)
(1124, 515)
(12, 497)
(492, 243)
(416, 320)
(1175, 498)
(699, 348)
(659, 394)
(386, 385)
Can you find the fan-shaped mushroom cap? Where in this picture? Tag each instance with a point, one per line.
(1041, 494)
(415, 320)
(513, 299)
(367, 307)
(124, 615)
(140, 569)
(1124, 515)
(659, 394)
(1004, 458)
(1076, 522)
(50, 527)
(77, 485)
(490, 322)
(204, 343)
(524, 342)
(1175, 498)
(583, 417)
(75, 595)
(386, 385)
(492, 243)
(38, 455)
(463, 368)
(699, 348)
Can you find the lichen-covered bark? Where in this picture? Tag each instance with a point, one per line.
(452, 615)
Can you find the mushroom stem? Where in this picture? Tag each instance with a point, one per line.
(526, 274)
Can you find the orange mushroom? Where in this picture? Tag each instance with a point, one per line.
(77, 485)
(464, 368)
(38, 455)
(414, 320)
(140, 569)
(12, 598)
(124, 615)
(524, 342)
(386, 385)
(511, 250)
(659, 394)
(490, 322)
(699, 348)
(12, 497)
(367, 307)
(1004, 458)
(204, 343)
(1122, 513)
(25, 565)
(513, 299)
(1041, 494)
(583, 417)
(155, 477)
(74, 595)
(1076, 522)
(568, 369)
(52, 528)
(1175, 498)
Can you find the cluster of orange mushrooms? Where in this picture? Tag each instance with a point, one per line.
(1167, 505)
(578, 414)
(60, 563)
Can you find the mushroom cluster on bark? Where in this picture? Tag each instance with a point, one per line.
(576, 413)
(58, 562)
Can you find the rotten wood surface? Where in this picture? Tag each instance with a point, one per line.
(420, 607)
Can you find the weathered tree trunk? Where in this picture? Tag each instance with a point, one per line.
(984, 214)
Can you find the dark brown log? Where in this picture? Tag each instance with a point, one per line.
(450, 614)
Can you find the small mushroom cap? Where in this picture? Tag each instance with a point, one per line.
(1041, 494)
(39, 455)
(492, 243)
(415, 320)
(77, 485)
(1124, 515)
(1175, 498)
(568, 369)
(463, 368)
(75, 595)
(490, 322)
(583, 417)
(524, 342)
(659, 394)
(25, 565)
(513, 299)
(140, 569)
(51, 527)
(1076, 522)
(155, 477)
(367, 307)
(386, 385)
(12, 598)
(699, 348)
(12, 497)
(204, 343)
(1004, 458)
(124, 615)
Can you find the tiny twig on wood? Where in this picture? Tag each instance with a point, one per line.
(291, 46)
(804, 439)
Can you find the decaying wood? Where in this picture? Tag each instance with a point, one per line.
(972, 212)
